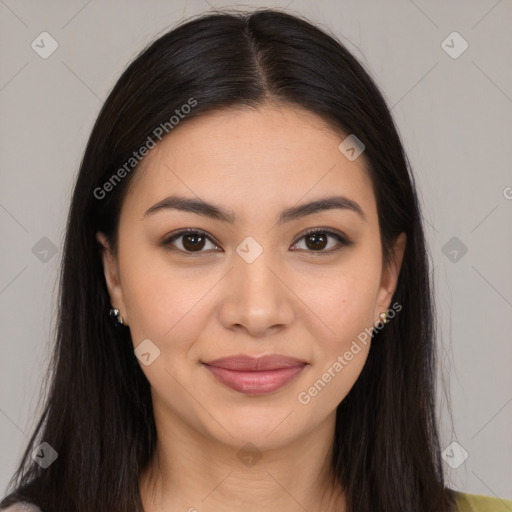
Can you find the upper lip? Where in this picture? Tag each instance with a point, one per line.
(247, 363)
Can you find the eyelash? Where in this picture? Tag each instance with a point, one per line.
(343, 241)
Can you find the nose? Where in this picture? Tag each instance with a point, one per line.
(256, 297)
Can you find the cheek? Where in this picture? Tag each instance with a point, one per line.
(345, 301)
(346, 304)
(160, 299)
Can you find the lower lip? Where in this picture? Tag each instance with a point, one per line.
(255, 382)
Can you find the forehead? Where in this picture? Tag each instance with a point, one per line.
(250, 158)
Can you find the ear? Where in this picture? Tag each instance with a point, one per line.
(390, 276)
(111, 271)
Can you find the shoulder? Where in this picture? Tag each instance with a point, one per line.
(478, 503)
(21, 507)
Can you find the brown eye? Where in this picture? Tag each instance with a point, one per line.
(193, 242)
(189, 241)
(318, 241)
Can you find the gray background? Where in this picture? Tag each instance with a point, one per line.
(454, 115)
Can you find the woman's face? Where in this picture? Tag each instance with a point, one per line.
(253, 285)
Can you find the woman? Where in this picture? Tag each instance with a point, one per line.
(246, 317)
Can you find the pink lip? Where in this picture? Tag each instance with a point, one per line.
(255, 376)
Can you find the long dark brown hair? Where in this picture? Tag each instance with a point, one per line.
(98, 412)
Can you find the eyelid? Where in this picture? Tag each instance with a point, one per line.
(324, 229)
(343, 240)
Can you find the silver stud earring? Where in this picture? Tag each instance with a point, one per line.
(117, 319)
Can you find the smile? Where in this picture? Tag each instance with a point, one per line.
(256, 382)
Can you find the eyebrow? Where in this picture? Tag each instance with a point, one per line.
(215, 212)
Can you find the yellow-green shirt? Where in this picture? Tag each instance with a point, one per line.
(465, 503)
(477, 503)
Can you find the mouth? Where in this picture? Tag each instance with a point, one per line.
(255, 376)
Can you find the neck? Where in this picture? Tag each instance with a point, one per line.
(192, 472)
